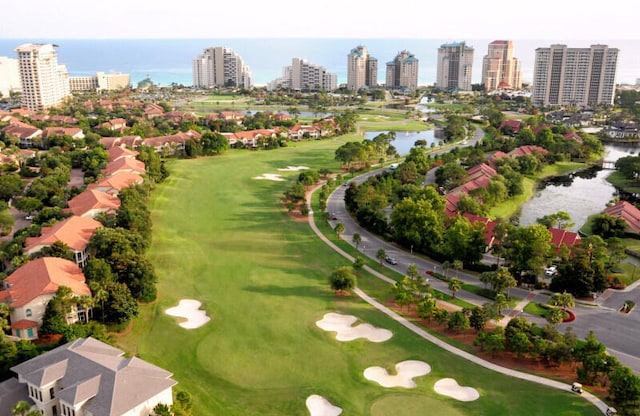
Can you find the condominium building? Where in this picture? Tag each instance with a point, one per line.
(362, 69)
(500, 69)
(9, 76)
(455, 64)
(402, 72)
(305, 76)
(220, 67)
(100, 82)
(45, 82)
(574, 76)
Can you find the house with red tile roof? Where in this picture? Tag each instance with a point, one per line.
(560, 237)
(173, 142)
(27, 134)
(61, 120)
(88, 377)
(511, 125)
(177, 117)
(28, 290)
(74, 231)
(528, 150)
(118, 152)
(491, 160)
(249, 138)
(152, 110)
(298, 132)
(131, 142)
(117, 124)
(92, 202)
(232, 116)
(572, 135)
(481, 170)
(74, 132)
(628, 212)
(117, 182)
(488, 230)
(124, 164)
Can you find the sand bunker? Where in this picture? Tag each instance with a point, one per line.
(341, 324)
(449, 387)
(406, 370)
(189, 309)
(319, 406)
(270, 177)
(293, 168)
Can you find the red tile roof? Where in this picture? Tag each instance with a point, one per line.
(118, 152)
(74, 132)
(124, 164)
(93, 200)
(74, 231)
(514, 125)
(117, 182)
(43, 276)
(628, 212)
(527, 150)
(561, 237)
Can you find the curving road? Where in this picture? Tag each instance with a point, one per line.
(619, 332)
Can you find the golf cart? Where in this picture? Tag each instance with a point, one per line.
(577, 387)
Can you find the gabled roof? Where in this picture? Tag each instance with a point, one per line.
(527, 150)
(93, 199)
(22, 131)
(128, 141)
(117, 152)
(97, 377)
(489, 226)
(514, 125)
(563, 237)
(481, 170)
(40, 277)
(124, 164)
(117, 182)
(74, 231)
(628, 212)
(74, 132)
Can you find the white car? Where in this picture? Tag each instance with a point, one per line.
(551, 271)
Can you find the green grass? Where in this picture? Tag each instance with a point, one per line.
(537, 309)
(511, 207)
(629, 185)
(223, 238)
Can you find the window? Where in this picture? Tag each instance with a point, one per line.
(28, 313)
(54, 410)
(52, 393)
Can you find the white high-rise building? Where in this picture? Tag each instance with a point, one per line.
(100, 82)
(9, 76)
(402, 72)
(305, 76)
(45, 82)
(455, 63)
(220, 67)
(574, 76)
(500, 70)
(362, 69)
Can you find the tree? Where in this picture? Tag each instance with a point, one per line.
(381, 254)
(412, 271)
(28, 204)
(501, 302)
(427, 308)
(554, 316)
(339, 229)
(560, 219)
(21, 408)
(10, 186)
(562, 300)
(478, 319)
(342, 279)
(454, 286)
(356, 239)
(520, 344)
(527, 248)
(161, 409)
(458, 321)
(607, 226)
(625, 390)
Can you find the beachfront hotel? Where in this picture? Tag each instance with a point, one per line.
(500, 69)
(455, 64)
(402, 72)
(304, 76)
(220, 67)
(45, 82)
(100, 82)
(362, 69)
(574, 76)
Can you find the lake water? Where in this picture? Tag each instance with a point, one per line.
(580, 194)
(405, 140)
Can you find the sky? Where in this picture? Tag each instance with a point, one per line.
(358, 19)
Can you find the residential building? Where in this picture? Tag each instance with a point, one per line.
(100, 82)
(455, 65)
(87, 377)
(402, 72)
(9, 76)
(362, 69)
(117, 182)
(28, 290)
(45, 82)
(500, 69)
(74, 231)
(92, 203)
(220, 67)
(574, 76)
(305, 76)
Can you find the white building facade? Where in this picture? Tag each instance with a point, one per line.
(304, 76)
(500, 69)
(9, 76)
(455, 66)
(362, 69)
(45, 82)
(219, 67)
(574, 76)
(402, 72)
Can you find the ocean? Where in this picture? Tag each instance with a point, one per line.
(168, 61)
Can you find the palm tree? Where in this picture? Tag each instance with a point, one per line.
(562, 300)
(339, 229)
(100, 294)
(454, 286)
(501, 302)
(381, 254)
(412, 271)
(357, 239)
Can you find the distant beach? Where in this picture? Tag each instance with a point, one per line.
(168, 61)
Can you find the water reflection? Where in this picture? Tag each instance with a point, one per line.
(405, 140)
(581, 194)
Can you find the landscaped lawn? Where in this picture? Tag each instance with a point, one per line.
(223, 238)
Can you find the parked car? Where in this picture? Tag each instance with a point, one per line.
(28, 217)
(334, 216)
(391, 260)
(551, 271)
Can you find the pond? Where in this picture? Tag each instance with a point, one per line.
(581, 194)
(405, 140)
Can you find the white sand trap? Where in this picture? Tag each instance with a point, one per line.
(293, 168)
(406, 370)
(341, 324)
(319, 406)
(450, 387)
(189, 309)
(270, 177)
